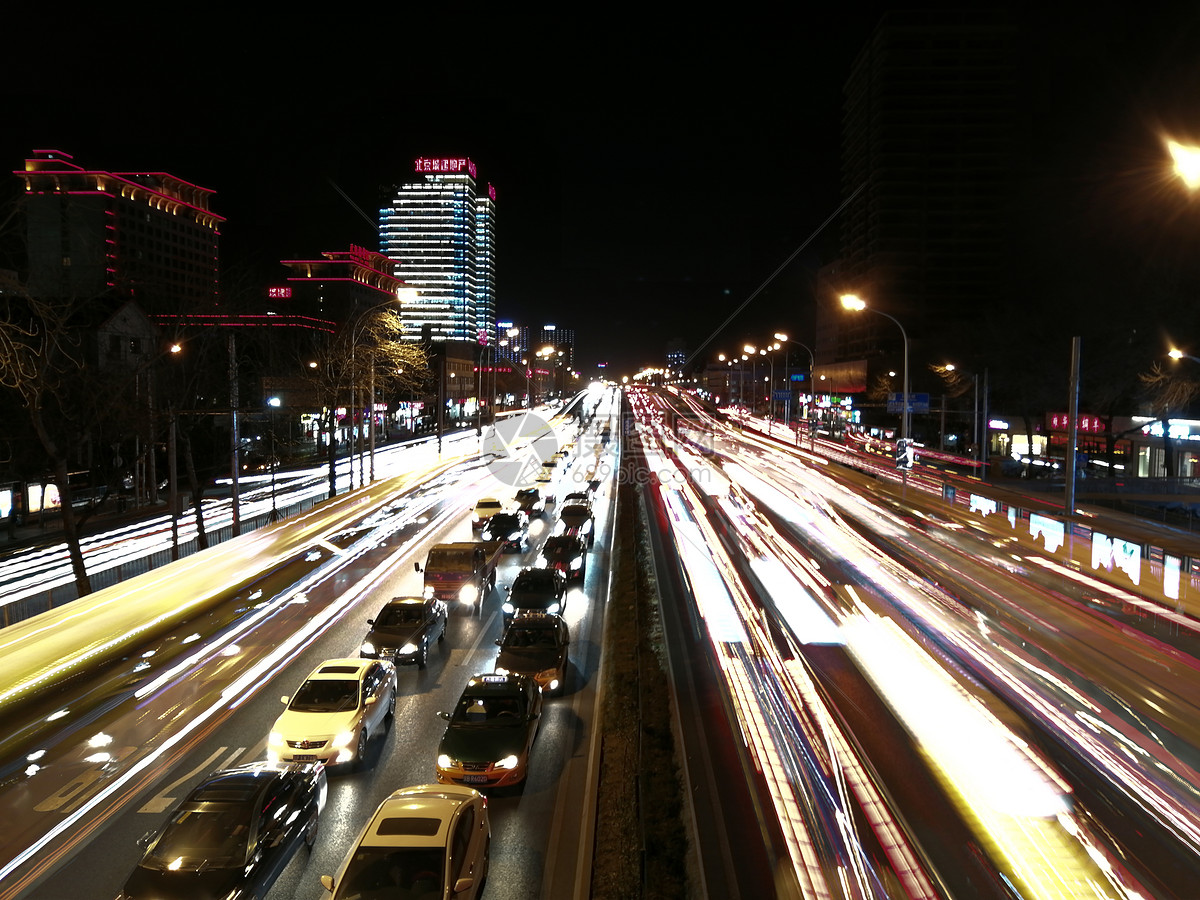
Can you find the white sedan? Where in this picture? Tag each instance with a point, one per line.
(331, 718)
(428, 841)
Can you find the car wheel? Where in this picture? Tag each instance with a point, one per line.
(423, 660)
(360, 755)
(391, 713)
(442, 636)
(310, 833)
(491, 586)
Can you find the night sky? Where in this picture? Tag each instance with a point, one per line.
(649, 174)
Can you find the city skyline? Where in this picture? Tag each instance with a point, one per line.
(657, 196)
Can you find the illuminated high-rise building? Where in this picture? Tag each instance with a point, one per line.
(441, 230)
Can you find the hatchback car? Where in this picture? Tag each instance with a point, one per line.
(233, 834)
(567, 553)
(491, 732)
(512, 528)
(404, 629)
(536, 646)
(484, 510)
(334, 714)
(429, 841)
(536, 590)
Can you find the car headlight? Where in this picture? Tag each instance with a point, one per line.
(469, 593)
(428, 593)
(577, 562)
(509, 762)
(410, 647)
(343, 739)
(587, 527)
(500, 670)
(554, 608)
(367, 648)
(515, 536)
(444, 761)
(275, 738)
(507, 607)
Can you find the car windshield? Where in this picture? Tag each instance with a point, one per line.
(575, 515)
(531, 592)
(517, 638)
(488, 506)
(326, 695)
(505, 520)
(214, 835)
(557, 548)
(452, 560)
(400, 617)
(527, 494)
(487, 711)
(390, 872)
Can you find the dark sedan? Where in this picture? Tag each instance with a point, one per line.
(510, 527)
(536, 646)
(233, 834)
(567, 553)
(531, 502)
(536, 590)
(404, 629)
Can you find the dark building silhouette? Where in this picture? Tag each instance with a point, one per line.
(930, 142)
(144, 236)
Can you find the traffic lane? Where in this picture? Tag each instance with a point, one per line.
(960, 864)
(402, 583)
(105, 741)
(402, 756)
(57, 804)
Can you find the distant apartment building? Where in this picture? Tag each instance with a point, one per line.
(441, 229)
(144, 236)
(338, 284)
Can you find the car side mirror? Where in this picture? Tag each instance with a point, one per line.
(416, 568)
(370, 621)
(284, 699)
(443, 715)
(327, 882)
(499, 641)
(464, 884)
(371, 698)
(146, 840)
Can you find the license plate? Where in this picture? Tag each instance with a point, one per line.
(475, 779)
(304, 757)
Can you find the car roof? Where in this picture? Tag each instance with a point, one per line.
(405, 601)
(488, 501)
(236, 784)
(537, 575)
(340, 669)
(417, 816)
(489, 684)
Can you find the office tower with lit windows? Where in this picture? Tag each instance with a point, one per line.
(441, 230)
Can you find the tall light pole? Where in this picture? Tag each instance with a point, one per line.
(812, 365)
(273, 403)
(853, 302)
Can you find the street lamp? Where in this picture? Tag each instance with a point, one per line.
(812, 365)
(1187, 164)
(853, 302)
